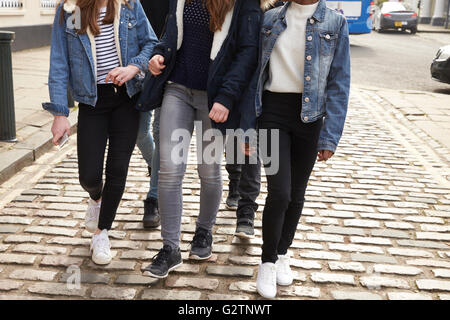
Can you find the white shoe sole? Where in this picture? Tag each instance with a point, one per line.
(285, 284)
(91, 228)
(101, 262)
(243, 235)
(265, 295)
(230, 207)
(195, 257)
(149, 274)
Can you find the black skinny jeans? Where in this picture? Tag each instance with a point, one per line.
(297, 155)
(114, 119)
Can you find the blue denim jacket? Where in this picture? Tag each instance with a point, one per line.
(73, 57)
(327, 68)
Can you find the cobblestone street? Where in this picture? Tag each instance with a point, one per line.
(375, 226)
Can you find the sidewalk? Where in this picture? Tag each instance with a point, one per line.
(375, 226)
(33, 124)
(428, 28)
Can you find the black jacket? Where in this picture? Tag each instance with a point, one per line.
(230, 73)
(156, 11)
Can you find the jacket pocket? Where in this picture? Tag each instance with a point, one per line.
(327, 42)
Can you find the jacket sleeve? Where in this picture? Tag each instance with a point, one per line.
(338, 89)
(245, 60)
(147, 41)
(58, 78)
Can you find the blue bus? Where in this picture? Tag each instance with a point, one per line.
(357, 12)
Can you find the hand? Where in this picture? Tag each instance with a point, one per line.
(121, 75)
(156, 65)
(219, 113)
(60, 126)
(324, 155)
(246, 149)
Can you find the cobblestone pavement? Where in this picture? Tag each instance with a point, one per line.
(375, 226)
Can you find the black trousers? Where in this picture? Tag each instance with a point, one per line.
(246, 179)
(286, 188)
(114, 120)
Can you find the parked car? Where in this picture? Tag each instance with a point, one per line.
(394, 15)
(440, 68)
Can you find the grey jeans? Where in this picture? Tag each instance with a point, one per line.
(180, 108)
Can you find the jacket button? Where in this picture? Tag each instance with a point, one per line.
(327, 37)
(169, 49)
(308, 78)
(140, 104)
(129, 24)
(308, 58)
(306, 99)
(309, 38)
(311, 21)
(306, 118)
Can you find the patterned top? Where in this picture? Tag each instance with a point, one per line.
(107, 56)
(193, 58)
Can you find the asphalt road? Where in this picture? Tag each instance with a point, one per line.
(397, 60)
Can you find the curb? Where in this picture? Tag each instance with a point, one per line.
(444, 31)
(27, 151)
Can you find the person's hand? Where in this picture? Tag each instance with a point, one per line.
(246, 149)
(156, 65)
(60, 126)
(120, 75)
(219, 113)
(324, 155)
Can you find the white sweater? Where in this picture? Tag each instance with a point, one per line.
(287, 62)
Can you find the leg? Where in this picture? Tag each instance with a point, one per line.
(249, 186)
(153, 193)
(91, 144)
(144, 139)
(176, 114)
(303, 155)
(123, 128)
(234, 173)
(278, 198)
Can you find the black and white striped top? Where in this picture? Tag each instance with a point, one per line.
(107, 56)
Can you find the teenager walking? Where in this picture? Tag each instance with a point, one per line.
(103, 61)
(148, 140)
(303, 90)
(200, 69)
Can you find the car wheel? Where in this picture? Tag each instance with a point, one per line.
(413, 30)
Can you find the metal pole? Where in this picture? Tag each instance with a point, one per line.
(448, 13)
(7, 115)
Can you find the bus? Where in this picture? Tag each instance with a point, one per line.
(357, 12)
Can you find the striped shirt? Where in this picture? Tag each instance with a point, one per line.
(107, 56)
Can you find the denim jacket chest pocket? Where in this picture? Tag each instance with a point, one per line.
(328, 40)
(76, 57)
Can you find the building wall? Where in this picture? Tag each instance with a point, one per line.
(30, 19)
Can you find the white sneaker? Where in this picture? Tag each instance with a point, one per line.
(284, 272)
(92, 214)
(101, 248)
(266, 281)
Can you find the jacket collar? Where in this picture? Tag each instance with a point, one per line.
(318, 15)
(219, 36)
(69, 5)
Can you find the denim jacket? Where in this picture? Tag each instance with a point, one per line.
(327, 68)
(73, 61)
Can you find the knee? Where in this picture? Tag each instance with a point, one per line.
(279, 198)
(210, 173)
(90, 183)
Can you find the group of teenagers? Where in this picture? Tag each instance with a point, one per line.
(141, 69)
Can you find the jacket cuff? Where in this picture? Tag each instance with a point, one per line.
(225, 100)
(56, 109)
(326, 145)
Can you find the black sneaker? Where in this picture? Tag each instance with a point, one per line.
(151, 214)
(201, 245)
(165, 261)
(233, 196)
(245, 224)
(149, 172)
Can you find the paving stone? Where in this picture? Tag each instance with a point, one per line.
(346, 266)
(30, 274)
(9, 258)
(300, 291)
(38, 249)
(343, 230)
(324, 237)
(61, 261)
(377, 282)
(197, 283)
(410, 252)
(16, 220)
(372, 258)
(429, 263)
(9, 285)
(423, 244)
(396, 269)
(243, 286)
(321, 255)
(332, 278)
(51, 231)
(433, 236)
(115, 265)
(9, 229)
(188, 268)
(306, 245)
(361, 223)
(408, 296)
(21, 239)
(106, 292)
(399, 225)
(389, 233)
(441, 273)
(371, 240)
(305, 264)
(87, 277)
(431, 284)
(225, 297)
(56, 289)
(252, 261)
(231, 271)
(443, 296)
(137, 255)
(354, 295)
(355, 248)
(160, 294)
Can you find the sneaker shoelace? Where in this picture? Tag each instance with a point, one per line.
(162, 257)
(102, 245)
(200, 239)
